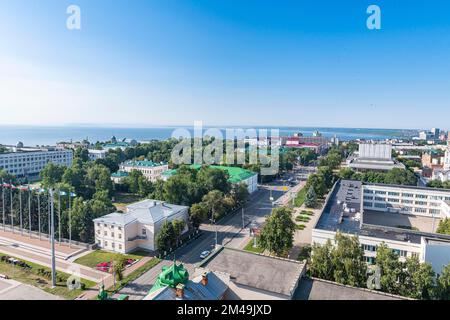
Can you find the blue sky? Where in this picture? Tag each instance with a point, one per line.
(226, 62)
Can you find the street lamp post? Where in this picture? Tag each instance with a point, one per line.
(243, 218)
(52, 235)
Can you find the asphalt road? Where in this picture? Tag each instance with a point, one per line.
(229, 233)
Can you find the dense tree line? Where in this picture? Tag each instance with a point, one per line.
(438, 184)
(343, 262)
(394, 176)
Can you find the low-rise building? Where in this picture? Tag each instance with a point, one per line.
(97, 154)
(29, 161)
(254, 276)
(404, 218)
(138, 227)
(151, 170)
(236, 176)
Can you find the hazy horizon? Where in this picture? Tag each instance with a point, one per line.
(242, 63)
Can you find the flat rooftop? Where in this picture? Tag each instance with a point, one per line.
(315, 289)
(257, 271)
(402, 221)
(342, 213)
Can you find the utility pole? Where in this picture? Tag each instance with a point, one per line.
(52, 235)
(29, 209)
(39, 213)
(12, 217)
(70, 220)
(243, 218)
(3, 205)
(20, 211)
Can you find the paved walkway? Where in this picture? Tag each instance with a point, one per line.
(13, 290)
(108, 279)
(23, 240)
(303, 237)
(61, 265)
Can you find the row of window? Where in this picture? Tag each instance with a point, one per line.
(105, 233)
(105, 244)
(406, 195)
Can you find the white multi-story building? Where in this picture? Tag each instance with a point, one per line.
(97, 154)
(404, 218)
(138, 227)
(29, 162)
(374, 156)
(151, 170)
(443, 174)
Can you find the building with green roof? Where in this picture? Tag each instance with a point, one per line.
(151, 170)
(236, 175)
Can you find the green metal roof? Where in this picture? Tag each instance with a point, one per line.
(171, 276)
(120, 174)
(236, 174)
(144, 163)
(116, 145)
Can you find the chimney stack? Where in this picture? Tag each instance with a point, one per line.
(205, 279)
(180, 291)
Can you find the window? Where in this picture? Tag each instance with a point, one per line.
(370, 248)
(105, 233)
(435, 211)
(393, 200)
(380, 192)
(368, 198)
(421, 196)
(420, 210)
(401, 253)
(119, 228)
(408, 195)
(380, 205)
(408, 201)
(367, 204)
(144, 232)
(379, 199)
(120, 247)
(113, 245)
(106, 243)
(120, 236)
(112, 234)
(421, 203)
(395, 194)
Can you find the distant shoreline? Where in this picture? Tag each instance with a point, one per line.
(50, 135)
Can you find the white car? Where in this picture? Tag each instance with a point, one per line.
(204, 254)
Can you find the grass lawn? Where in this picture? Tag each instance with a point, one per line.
(92, 259)
(121, 200)
(302, 218)
(134, 275)
(300, 199)
(32, 277)
(249, 247)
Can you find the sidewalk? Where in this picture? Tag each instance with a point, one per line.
(108, 279)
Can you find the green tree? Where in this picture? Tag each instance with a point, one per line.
(391, 269)
(327, 175)
(311, 198)
(214, 204)
(82, 225)
(166, 237)
(418, 279)
(443, 284)
(346, 174)
(99, 178)
(51, 174)
(318, 183)
(178, 228)
(400, 176)
(82, 154)
(321, 261)
(198, 214)
(444, 226)
(240, 193)
(348, 261)
(277, 235)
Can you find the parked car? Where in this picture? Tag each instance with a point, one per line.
(205, 254)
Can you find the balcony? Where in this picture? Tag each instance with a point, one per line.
(137, 238)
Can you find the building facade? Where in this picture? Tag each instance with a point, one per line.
(138, 227)
(403, 218)
(96, 154)
(29, 162)
(151, 170)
